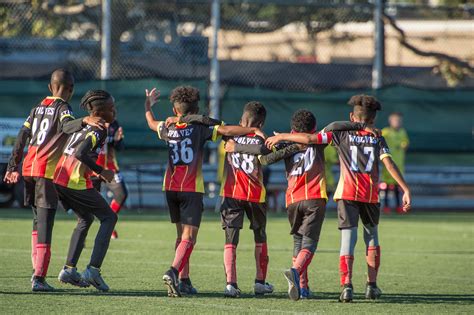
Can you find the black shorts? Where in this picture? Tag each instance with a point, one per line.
(40, 192)
(232, 213)
(306, 217)
(82, 201)
(185, 207)
(348, 212)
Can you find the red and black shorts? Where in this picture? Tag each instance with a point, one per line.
(232, 213)
(349, 211)
(306, 217)
(185, 207)
(40, 192)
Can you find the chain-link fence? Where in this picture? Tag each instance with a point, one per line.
(280, 44)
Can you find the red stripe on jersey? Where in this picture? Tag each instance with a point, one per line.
(64, 170)
(181, 179)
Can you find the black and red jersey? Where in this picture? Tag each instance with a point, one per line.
(359, 156)
(47, 139)
(71, 171)
(108, 154)
(186, 152)
(243, 176)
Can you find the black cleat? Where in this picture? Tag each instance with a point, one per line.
(170, 279)
(347, 294)
(41, 286)
(372, 292)
(186, 287)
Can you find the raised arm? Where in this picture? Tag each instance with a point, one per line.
(395, 172)
(351, 126)
(151, 98)
(304, 138)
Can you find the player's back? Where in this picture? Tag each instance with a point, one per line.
(243, 175)
(47, 140)
(359, 156)
(72, 173)
(306, 175)
(186, 153)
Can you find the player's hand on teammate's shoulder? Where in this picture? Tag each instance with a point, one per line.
(94, 122)
(375, 131)
(272, 141)
(260, 133)
(107, 175)
(11, 177)
(152, 97)
(229, 146)
(171, 120)
(406, 201)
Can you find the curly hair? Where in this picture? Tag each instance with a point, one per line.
(303, 121)
(94, 99)
(365, 106)
(185, 99)
(255, 113)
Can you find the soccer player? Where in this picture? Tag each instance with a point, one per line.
(183, 181)
(357, 191)
(397, 140)
(45, 131)
(108, 160)
(75, 190)
(306, 195)
(243, 193)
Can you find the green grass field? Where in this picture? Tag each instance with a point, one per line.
(427, 267)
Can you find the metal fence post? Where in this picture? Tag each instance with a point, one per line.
(379, 40)
(214, 77)
(106, 63)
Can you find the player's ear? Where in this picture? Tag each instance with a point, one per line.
(174, 111)
(351, 116)
(50, 88)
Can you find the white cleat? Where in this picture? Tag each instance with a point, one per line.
(261, 289)
(231, 291)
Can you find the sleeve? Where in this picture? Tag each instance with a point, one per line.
(162, 131)
(93, 140)
(210, 133)
(384, 151)
(337, 137)
(67, 123)
(200, 119)
(21, 140)
(279, 154)
(324, 137)
(255, 149)
(344, 126)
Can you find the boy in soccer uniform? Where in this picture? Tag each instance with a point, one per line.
(45, 130)
(108, 160)
(76, 191)
(306, 195)
(397, 140)
(243, 193)
(357, 191)
(183, 180)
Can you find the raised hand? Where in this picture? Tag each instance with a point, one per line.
(118, 135)
(152, 97)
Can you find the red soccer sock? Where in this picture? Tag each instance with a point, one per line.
(303, 260)
(184, 274)
(345, 268)
(115, 206)
(372, 256)
(303, 276)
(43, 256)
(261, 261)
(183, 252)
(34, 241)
(230, 262)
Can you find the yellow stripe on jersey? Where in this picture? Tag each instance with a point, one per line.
(27, 124)
(215, 135)
(322, 188)
(94, 138)
(64, 116)
(385, 155)
(340, 187)
(158, 128)
(76, 181)
(184, 178)
(263, 194)
(199, 181)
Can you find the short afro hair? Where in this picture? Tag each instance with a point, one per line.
(365, 106)
(255, 113)
(185, 99)
(303, 121)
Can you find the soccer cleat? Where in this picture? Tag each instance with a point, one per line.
(186, 287)
(347, 294)
(293, 278)
(231, 291)
(32, 276)
(41, 286)
(372, 292)
(170, 279)
(306, 293)
(71, 276)
(114, 235)
(261, 289)
(92, 276)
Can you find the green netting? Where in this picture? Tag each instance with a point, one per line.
(439, 121)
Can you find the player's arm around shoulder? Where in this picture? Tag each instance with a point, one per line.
(392, 168)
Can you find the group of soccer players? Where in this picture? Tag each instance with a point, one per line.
(63, 157)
